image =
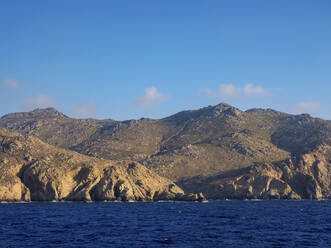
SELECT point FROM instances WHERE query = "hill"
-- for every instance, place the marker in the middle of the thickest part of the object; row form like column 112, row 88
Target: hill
column 33, row 170
column 210, row 141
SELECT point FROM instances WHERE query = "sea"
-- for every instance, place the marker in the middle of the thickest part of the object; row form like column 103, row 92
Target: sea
column 167, row 224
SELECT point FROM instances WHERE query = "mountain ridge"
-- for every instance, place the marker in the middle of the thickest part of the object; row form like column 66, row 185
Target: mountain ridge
column 203, row 142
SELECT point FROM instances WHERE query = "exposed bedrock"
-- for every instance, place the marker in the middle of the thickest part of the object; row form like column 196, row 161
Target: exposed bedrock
column 33, row 170
column 305, row 177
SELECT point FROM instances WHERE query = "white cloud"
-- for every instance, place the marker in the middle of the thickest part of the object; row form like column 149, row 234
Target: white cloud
column 151, row 97
column 305, row 107
column 39, row 101
column 224, row 90
column 11, row 84
column 231, row 91
column 251, row 90
column 85, row 109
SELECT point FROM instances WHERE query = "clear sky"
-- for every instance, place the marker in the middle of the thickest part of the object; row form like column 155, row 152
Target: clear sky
column 133, row 59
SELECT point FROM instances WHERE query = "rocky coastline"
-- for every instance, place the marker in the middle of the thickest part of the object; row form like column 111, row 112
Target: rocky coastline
column 216, row 152
column 34, row 171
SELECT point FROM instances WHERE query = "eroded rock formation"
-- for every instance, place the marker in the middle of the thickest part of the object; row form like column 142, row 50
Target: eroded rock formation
column 33, row 170
column 307, row 176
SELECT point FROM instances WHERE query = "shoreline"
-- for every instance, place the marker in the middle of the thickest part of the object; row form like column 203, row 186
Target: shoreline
column 164, row 201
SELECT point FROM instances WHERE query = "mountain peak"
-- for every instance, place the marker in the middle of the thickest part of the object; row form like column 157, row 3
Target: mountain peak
column 225, row 108
column 47, row 112
column 223, row 105
column 267, row 111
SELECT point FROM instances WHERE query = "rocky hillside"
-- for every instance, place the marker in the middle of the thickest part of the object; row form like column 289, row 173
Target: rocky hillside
column 305, row 177
column 33, row 170
column 52, row 126
column 196, row 143
column 295, row 133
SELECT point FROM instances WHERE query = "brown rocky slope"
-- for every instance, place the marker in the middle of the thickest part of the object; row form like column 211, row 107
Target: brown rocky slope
column 188, row 147
column 190, row 143
column 305, row 177
column 31, row 170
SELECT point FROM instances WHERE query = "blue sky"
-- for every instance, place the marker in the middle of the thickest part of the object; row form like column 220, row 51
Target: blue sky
column 133, row 59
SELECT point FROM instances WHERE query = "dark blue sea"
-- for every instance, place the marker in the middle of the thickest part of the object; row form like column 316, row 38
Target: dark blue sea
column 167, row 224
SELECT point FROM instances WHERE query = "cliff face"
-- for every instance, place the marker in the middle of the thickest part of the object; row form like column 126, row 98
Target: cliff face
column 33, row 170
column 305, row 177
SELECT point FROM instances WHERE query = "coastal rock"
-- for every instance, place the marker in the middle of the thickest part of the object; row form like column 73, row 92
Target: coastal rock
column 33, row 170
column 305, row 177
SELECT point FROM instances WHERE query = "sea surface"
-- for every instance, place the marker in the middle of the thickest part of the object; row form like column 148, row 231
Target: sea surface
column 167, row 224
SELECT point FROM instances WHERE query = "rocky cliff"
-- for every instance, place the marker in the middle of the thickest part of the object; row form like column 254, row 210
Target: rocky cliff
column 305, row 177
column 33, row 170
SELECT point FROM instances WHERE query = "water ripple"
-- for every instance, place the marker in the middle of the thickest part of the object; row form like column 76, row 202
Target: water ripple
column 167, row 224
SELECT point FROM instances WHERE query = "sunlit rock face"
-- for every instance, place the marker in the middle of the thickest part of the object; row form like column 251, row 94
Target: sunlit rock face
column 33, row 170
column 307, row 176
